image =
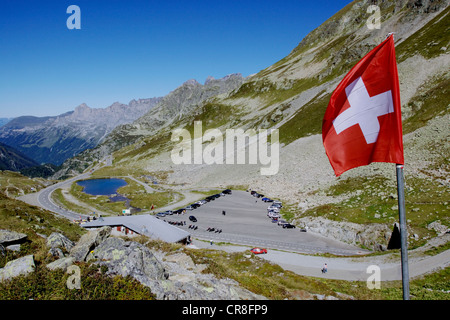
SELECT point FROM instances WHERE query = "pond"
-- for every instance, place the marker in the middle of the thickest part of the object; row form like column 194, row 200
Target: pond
column 102, row 187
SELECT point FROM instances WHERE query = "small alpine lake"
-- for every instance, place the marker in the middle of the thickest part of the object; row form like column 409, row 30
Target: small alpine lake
column 102, row 187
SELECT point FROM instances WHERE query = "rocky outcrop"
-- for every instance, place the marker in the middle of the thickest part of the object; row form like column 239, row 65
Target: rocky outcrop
column 438, row 227
column 375, row 235
column 128, row 258
column 201, row 287
column 170, row 277
column 88, row 242
column 175, row 277
column 187, row 282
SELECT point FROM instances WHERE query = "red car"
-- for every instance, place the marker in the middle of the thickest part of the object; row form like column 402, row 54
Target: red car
column 258, row 250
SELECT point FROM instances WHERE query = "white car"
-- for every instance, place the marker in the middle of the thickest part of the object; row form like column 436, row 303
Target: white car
column 273, row 208
column 281, row 222
column 273, row 214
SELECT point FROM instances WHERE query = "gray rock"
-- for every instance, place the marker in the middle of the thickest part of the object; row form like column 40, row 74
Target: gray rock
column 58, row 240
column 203, row 287
column 17, row 267
column 62, row 263
column 368, row 235
column 129, row 258
column 88, row 242
column 56, row 252
column 14, row 247
column 438, row 227
column 8, row 237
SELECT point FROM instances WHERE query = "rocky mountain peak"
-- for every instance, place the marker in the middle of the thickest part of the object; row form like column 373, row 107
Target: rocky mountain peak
column 82, row 111
column 209, row 79
column 191, row 82
column 83, row 106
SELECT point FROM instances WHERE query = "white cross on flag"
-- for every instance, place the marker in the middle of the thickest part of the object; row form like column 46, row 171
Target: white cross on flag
column 363, row 122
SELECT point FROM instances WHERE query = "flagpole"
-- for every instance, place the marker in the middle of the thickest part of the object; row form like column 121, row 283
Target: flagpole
column 403, row 231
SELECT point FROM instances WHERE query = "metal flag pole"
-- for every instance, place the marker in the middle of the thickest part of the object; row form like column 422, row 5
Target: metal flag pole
column 403, row 231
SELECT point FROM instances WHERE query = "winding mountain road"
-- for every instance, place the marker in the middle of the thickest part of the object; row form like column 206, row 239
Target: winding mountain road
column 43, row 199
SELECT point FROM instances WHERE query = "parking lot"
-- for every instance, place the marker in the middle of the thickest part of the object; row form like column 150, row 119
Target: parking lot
column 246, row 222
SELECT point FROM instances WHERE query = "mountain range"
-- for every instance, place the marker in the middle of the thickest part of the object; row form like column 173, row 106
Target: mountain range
column 171, row 109
column 55, row 139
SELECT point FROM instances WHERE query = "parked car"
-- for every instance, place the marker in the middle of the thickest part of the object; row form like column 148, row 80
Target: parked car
column 190, row 207
column 273, row 214
column 193, row 219
column 288, row 226
column 161, row 214
column 258, row 250
column 273, row 208
column 282, row 222
column 277, row 203
column 226, row 191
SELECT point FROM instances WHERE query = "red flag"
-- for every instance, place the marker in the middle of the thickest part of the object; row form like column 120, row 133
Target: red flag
column 363, row 122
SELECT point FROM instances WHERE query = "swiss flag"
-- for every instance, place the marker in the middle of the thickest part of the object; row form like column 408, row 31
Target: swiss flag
column 363, row 122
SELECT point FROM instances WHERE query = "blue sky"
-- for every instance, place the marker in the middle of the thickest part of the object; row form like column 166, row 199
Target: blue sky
column 139, row 49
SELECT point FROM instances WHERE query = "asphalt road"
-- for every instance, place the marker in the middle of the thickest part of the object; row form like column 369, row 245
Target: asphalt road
column 246, row 223
column 343, row 268
column 44, row 198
